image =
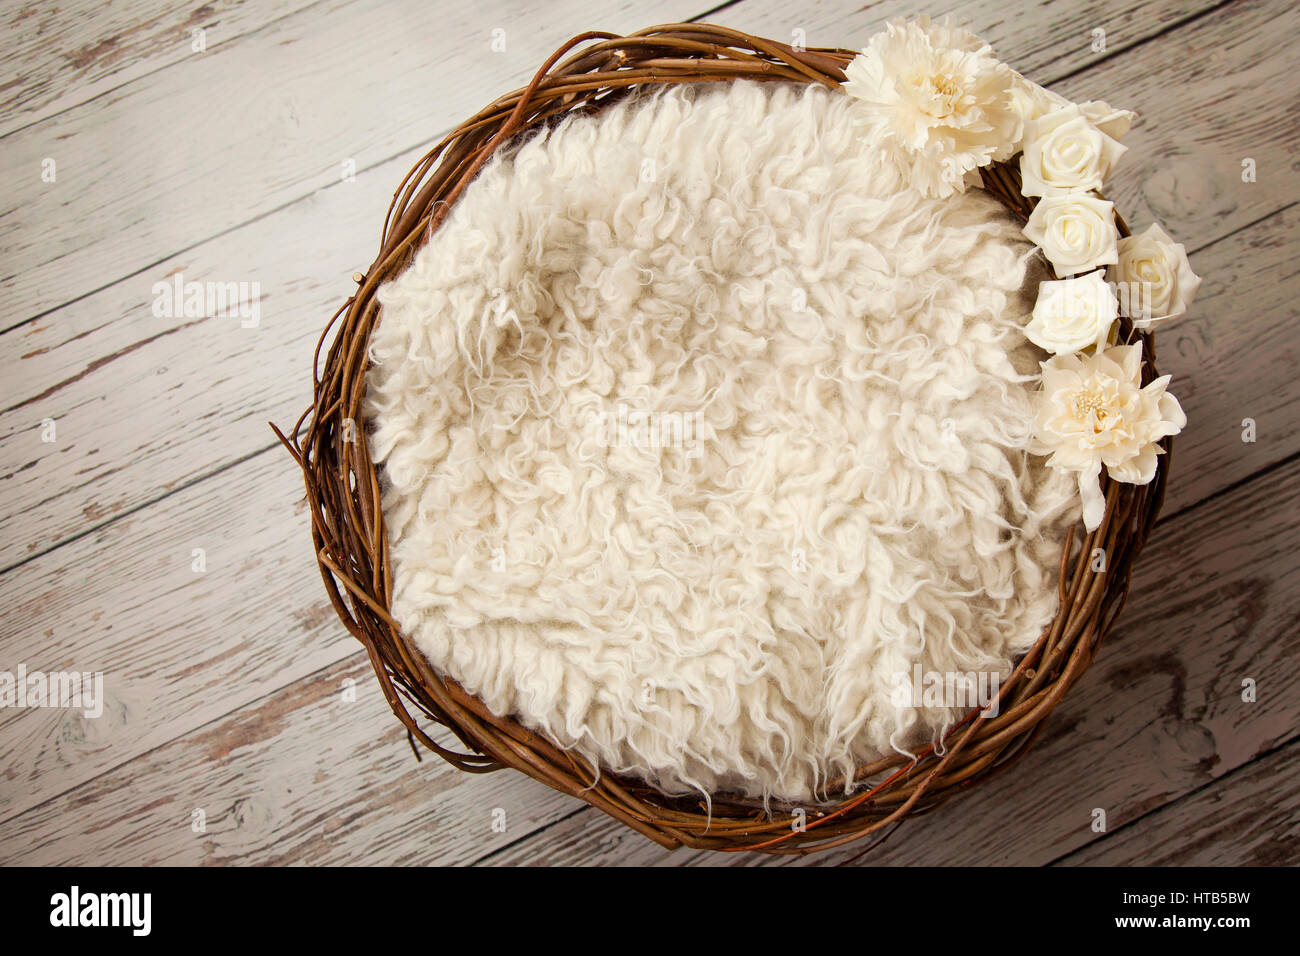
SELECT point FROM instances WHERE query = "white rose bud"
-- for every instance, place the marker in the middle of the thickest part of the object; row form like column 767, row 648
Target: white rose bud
column 1075, row 232
column 1156, row 275
column 1032, row 101
column 1066, row 153
column 1028, row 101
column 1114, row 123
column 1072, row 314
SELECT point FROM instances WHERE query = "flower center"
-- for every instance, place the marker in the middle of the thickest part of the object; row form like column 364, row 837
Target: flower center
column 943, row 85
column 943, row 94
column 1092, row 402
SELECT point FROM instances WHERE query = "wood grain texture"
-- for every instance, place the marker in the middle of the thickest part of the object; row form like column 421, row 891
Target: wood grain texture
column 177, row 648
column 197, row 393
column 304, row 777
column 161, row 164
column 71, row 360
column 1235, row 357
column 1250, row 818
column 1158, row 715
column 57, row 56
column 224, row 687
column 1047, row 41
column 1209, row 95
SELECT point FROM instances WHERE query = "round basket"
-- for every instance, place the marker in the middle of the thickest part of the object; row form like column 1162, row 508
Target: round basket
column 343, row 490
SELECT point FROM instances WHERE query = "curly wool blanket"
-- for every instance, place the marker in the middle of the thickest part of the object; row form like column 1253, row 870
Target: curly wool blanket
column 700, row 440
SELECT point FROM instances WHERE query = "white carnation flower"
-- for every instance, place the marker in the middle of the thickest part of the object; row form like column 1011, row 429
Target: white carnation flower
column 935, row 102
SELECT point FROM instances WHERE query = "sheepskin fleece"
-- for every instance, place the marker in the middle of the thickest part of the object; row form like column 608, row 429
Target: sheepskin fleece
column 728, row 614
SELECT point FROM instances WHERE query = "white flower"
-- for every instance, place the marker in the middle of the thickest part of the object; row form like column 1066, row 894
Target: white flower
column 1075, row 232
column 1029, row 102
column 934, row 100
column 1066, row 153
column 1093, row 411
column 1072, row 314
column 1114, row 123
column 1156, row 277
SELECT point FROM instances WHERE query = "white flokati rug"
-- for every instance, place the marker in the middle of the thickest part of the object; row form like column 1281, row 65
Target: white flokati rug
column 697, row 439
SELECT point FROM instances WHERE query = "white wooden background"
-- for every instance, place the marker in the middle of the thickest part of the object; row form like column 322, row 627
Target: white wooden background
column 224, row 687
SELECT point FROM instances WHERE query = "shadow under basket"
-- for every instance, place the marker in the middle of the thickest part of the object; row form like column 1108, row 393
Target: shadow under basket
column 342, row 486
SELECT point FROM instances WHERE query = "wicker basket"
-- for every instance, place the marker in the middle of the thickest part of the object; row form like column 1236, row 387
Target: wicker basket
column 351, row 544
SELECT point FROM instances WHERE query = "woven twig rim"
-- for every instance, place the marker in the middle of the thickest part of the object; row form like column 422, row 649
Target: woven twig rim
column 351, row 546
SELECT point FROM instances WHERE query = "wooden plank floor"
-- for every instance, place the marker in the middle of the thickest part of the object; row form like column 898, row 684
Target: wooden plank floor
column 241, row 724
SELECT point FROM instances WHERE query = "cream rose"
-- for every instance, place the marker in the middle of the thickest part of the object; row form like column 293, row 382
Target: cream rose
column 1065, row 153
column 1155, row 277
column 1029, row 101
column 1075, row 232
column 1114, row 123
column 1072, row 314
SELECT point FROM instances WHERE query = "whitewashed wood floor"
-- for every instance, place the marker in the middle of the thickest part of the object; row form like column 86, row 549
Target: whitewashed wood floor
column 224, row 688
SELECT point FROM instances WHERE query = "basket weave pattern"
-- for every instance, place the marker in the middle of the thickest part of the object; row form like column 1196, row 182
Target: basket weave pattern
column 343, row 492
